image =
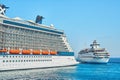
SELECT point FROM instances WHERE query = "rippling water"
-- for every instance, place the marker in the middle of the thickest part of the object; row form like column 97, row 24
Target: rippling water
column 108, row 71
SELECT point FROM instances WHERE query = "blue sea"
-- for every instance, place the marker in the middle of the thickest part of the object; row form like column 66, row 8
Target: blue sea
column 109, row 71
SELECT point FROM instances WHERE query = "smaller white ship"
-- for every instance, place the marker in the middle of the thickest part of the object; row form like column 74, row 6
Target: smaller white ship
column 95, row 54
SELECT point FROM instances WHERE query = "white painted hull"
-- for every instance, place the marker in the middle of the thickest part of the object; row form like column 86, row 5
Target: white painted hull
column 43, row 62
column 94, row 60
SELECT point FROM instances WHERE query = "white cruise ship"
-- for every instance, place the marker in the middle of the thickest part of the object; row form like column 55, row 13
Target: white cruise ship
column 25, row 44
column 95, row 54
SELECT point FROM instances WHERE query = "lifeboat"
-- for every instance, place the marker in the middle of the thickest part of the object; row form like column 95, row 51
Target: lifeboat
column 26, row 51
column 36, row 52
column 53, row 52
column 45, row 52
column 3, row 50
column 14, row 51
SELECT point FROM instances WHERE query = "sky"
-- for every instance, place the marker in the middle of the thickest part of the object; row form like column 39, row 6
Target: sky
column 82, row 20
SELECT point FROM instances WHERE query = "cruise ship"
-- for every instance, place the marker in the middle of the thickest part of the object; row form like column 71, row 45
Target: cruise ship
column 27, row 44
column 95, row 54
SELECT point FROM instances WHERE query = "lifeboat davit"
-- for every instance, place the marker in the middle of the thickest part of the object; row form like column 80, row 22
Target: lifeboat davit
column 3, row 50
column 26, row 51
column 14, row 51
column 45, row 52
column 53, row 52
column 36, row 52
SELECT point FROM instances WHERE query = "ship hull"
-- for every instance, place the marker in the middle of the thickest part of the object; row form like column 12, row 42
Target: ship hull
column 93, row 60
column 35, row 63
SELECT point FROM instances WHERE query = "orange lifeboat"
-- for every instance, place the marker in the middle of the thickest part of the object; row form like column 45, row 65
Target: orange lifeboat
column 14, row 51
column 26, row 51
column 3, row 50
column 53, row 52
column 45, row 52
column 36, row 52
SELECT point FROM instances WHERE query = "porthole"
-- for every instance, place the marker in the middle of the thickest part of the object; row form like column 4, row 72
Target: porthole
column 6, row 60
column 3, row 60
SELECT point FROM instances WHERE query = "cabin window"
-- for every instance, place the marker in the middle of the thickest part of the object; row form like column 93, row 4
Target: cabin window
column 3, row 60
column 6, row 60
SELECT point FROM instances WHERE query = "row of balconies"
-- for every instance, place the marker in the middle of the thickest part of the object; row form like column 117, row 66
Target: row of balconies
column 26, row 32
column 34, row 45
column 30, row 41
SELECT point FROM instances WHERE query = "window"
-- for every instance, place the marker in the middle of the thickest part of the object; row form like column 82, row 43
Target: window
column 21, row 60
column 3, row 60
column 6, row 60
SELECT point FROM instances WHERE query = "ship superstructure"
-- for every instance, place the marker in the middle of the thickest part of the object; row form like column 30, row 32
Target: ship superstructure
column 95, row 54
column 28, row 44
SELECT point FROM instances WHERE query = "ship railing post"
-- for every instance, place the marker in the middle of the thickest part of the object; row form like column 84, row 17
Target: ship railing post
column 20, row 50
column 31, row 50
column 8, row 50
column 40, row 51
column 49, row 51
